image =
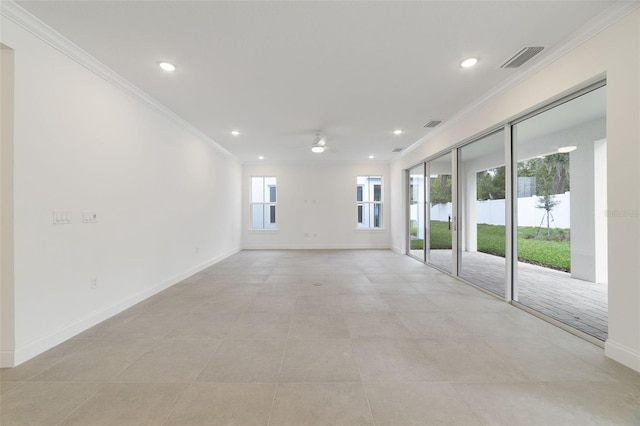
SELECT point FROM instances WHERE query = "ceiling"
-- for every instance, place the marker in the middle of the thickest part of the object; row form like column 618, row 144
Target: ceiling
column 280, row 71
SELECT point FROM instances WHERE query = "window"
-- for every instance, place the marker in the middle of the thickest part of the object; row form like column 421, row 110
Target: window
column 369, row 201
column 359, row 200
column 263, row 202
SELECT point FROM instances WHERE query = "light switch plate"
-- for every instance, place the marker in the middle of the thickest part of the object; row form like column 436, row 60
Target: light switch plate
column 89, row 216
column 62, row 217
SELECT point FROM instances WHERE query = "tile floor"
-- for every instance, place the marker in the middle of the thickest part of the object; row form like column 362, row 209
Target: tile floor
column 362, row 337
column 577, row 303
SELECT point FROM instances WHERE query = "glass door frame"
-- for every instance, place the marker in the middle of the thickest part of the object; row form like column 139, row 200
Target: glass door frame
column 513, row 240
column 427, row 210
column 509, row 208
column 511, row 203
column 425, row 213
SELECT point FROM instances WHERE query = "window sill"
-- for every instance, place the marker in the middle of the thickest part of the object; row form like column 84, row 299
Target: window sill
column 262, row 231
column 369, row 230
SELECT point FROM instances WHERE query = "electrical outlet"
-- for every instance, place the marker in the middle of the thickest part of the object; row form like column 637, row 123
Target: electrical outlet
column 94, row 283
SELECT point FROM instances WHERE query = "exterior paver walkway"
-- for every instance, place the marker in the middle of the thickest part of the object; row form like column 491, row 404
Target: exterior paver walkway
column 580, row 304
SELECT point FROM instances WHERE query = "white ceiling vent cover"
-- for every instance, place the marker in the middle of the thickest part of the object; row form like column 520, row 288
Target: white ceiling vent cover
column 523, row 56
column 433, row 123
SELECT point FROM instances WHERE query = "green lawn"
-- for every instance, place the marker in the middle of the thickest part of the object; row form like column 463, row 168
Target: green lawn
column 440, row 237
column 533, row 246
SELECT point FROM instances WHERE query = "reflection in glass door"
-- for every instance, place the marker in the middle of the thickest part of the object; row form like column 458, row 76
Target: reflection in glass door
column 482, row 210
column 561, row 213
column 440, row 213
column 416, row 199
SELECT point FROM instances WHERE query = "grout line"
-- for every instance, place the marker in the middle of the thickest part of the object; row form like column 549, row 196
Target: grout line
column 173, row 409
column 297, row 292
column 102, row 386
column 362, row 383
column 284, row 352
column 464, row 401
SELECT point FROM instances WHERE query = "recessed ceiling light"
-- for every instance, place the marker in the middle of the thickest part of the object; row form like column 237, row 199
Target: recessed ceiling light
column 468, row 63
column 397, row 132
column 261, row 158
column 371, row 156
column 567, row 149
column 317, row 149
column 235, row 132
column 167, row 66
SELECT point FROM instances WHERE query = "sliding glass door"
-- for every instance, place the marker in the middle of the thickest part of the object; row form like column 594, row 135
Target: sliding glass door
column 441, row 220
column 561, row 217
column 416, row 197
column 523, row 214
column 481, row 213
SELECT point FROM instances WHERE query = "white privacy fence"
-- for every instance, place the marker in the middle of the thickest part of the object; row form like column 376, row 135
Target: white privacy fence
column 492, row 212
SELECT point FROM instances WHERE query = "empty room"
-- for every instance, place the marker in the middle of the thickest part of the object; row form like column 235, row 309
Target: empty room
column 319, row 212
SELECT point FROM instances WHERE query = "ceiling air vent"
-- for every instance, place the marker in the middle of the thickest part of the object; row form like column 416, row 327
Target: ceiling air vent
column 433, row 123
column 523, row 56
column 397, row 149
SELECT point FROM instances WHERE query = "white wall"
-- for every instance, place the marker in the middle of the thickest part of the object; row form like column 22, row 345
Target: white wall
column 167, row 201
column 614, row 53
column 7, row 340
column 316, row 207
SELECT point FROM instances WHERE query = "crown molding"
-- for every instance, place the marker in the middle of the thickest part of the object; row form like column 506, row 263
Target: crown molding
column 612, row 14
column 12, row 11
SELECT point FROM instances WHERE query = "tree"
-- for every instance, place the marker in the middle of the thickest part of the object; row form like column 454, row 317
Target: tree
column 551, row 173
column 552, row 177
column 490, row 184
column 440, row 189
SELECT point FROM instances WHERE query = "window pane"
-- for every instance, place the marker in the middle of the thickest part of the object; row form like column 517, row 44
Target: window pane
column 377, row 215
column 257, row 216
column 272, row 193
column 360, row 213
column 359, row 193
column 257, row 193
column 373, row 217
column 270, row 181
column 269, row 216
column 377, row 192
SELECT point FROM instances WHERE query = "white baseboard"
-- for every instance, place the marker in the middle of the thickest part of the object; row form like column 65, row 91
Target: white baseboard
column 316, row 247
column 398, row 250
column 622, row 354
column 25, row 353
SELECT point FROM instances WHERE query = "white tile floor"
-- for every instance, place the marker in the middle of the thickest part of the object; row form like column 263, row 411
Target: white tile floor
column 321, row 338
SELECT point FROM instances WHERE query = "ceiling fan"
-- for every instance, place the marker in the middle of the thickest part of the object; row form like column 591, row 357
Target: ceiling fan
column 319, row 144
